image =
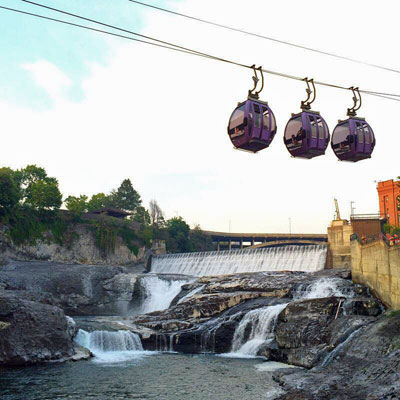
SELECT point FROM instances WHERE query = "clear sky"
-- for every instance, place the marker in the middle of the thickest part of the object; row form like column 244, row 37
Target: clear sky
column 94, row 110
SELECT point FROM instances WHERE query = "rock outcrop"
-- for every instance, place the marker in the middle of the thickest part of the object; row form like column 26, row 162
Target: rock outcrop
column 366, row 366
column 32, row 332
column 306, row 330
column 77, row 289
column 81, row 249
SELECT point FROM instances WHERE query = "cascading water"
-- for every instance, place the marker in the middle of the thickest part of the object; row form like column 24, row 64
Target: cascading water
column 157, row 293
column 262, row 323
column 111, row 346
column 191, row 293
column 329, row 358
column 288, row 258
column 323, row 287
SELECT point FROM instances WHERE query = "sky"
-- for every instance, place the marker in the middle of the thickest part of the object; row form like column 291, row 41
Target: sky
column 94, row 110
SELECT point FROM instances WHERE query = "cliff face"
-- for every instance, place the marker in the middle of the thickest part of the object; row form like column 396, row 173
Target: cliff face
column 82, row 249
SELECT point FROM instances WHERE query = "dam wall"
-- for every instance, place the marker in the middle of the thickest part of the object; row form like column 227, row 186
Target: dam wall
column 286, row 258
column 377, row 265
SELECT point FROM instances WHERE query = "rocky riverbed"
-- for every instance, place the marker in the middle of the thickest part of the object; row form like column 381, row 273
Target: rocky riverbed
column 347, row 346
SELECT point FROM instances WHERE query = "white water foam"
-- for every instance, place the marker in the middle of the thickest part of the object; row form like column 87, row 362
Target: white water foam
column 271, row 366
column 191, row 293
column 111, row 347
column 262, row 323
column 158, row 293
column 288, row 258
column 321, row 288
column 329, row 358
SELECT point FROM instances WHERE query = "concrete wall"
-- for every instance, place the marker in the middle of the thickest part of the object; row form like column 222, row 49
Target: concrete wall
column 339, row 244
column 377, row 265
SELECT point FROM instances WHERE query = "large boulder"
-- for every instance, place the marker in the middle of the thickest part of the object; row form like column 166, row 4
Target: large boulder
column 366, row 366
column 307, row 330
column 78, row 289
column 32, row 332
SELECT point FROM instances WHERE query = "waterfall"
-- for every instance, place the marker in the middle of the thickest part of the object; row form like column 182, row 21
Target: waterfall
column 334, row 352
column 191, row 293
column 287, row 258
column 111, row 346
column 323, row 287
column 157, row 294
column 261, row 323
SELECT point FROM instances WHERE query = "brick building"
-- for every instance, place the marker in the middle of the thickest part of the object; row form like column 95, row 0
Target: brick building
column 389, row 201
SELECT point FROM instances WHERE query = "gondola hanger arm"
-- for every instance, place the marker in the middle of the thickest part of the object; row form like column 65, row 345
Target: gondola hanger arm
column 252, row 92
column 306, row 104
column 352, row 112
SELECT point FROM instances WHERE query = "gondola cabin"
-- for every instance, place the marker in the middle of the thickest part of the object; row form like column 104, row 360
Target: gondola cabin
column 306, row 135
column 252, row 126
column 353, row 140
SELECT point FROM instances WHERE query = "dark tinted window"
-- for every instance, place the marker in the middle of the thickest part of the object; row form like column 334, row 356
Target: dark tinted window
column 236, row 126
column 294, row 134
column 367, row 133
column 341, row 138
column 266, row 117
column 359, row 132
column 322, row 128
column 257, row 116
column 314, row 131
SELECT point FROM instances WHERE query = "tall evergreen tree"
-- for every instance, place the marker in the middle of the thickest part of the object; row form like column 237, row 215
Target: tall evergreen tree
column 126, row 197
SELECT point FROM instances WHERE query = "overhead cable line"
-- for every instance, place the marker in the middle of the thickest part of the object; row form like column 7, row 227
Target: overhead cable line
column 265, row 37
column 181, row 49
column 97, row 30
column 198, row 52
column 114, row 27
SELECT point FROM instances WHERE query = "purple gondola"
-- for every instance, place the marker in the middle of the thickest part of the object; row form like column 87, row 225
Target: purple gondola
column 307, row 133
column 353, row 139
column 252, row 125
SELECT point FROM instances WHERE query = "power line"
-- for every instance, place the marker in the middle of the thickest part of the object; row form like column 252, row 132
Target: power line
column 169, row 45
column 113, row 27
column 265, row 37
column 94, row 29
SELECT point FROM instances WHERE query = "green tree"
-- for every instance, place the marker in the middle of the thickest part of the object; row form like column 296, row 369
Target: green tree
column 31, row 178
column 10, row 193
column 125, row 197
column 44, row 195
column 178, row 232
column 142, row 216
column 199, row 241
column 78, row 205
column 97, row 201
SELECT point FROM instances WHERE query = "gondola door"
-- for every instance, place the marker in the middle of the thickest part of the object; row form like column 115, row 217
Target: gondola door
column 257, row 122
column 311, row 122
column 359, row 136
column 323, row 133
column 369, row 139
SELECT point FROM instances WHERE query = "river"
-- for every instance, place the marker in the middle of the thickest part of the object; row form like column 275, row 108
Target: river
column 161, row 376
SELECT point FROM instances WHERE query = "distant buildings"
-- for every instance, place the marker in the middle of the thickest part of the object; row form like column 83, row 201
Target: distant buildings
column 389, row 201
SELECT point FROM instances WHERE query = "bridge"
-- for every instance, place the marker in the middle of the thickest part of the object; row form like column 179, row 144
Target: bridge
column 225, row 240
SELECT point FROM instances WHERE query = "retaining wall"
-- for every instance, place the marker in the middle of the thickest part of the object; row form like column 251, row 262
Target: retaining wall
column 377, row 265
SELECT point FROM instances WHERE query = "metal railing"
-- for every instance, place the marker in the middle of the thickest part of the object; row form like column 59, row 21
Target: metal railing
column 366, row 216
column 375, row 238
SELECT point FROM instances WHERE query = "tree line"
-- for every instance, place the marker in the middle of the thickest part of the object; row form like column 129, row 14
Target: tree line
column 30, row 199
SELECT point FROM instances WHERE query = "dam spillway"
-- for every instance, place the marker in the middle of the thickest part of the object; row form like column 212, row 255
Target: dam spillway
column 286, row 258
